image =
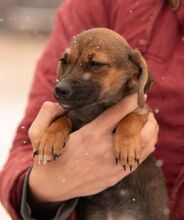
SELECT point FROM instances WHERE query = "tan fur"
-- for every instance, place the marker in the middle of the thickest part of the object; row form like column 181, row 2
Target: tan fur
column 50, row 144
column 127, row 139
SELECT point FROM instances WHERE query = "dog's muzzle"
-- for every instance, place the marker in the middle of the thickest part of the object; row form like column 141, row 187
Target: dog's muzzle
column 63, row 90
column 73, row 94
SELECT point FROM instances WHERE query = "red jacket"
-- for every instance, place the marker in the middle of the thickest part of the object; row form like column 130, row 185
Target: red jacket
column 158, row 32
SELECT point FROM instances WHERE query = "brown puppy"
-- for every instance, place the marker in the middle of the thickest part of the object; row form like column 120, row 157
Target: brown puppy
column 97, row 70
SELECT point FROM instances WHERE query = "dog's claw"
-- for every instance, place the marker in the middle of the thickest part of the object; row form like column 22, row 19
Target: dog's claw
column 56, row 155
column 116, row 159
column 40, row 159
column 138, row 162
column 35, row 152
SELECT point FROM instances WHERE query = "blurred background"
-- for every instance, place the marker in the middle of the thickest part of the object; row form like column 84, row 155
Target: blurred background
column 24, row 29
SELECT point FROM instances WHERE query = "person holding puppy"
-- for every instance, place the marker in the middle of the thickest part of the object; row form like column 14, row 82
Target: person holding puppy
column 33, row 191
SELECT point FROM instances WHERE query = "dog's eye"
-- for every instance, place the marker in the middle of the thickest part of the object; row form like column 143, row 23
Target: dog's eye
column 63, row 60
column 94, row 64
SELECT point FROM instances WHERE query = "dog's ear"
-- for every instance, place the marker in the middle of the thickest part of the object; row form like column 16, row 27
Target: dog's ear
column 143, row 81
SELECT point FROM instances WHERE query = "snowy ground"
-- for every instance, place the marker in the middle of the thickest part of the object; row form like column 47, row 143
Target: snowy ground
column 18, row 56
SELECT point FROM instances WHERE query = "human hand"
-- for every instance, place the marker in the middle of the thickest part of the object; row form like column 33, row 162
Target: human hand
column 87, row 165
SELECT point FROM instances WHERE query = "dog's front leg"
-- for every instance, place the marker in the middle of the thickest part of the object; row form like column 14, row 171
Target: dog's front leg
column 49, row 145
column 127, row 138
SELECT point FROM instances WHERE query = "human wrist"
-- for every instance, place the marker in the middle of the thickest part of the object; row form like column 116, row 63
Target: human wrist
column 38, row 187
column 44, row 185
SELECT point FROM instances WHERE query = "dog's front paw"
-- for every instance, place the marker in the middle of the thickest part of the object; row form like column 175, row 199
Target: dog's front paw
column 49, row 146
column 127, row 151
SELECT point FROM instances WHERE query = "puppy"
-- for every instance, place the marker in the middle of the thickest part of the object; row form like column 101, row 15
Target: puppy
column 97, row 70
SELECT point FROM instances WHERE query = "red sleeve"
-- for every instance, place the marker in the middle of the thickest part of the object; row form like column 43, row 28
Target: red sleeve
column 177, row 195
column 73, row 17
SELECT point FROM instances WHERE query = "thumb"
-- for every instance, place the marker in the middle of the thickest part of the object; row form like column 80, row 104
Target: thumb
column 108, row 120
column 48, row 112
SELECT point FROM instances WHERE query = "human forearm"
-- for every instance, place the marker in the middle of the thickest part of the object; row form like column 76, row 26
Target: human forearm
column 47, row 183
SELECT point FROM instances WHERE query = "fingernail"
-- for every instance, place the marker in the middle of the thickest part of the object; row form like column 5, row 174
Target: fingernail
column 35, row 153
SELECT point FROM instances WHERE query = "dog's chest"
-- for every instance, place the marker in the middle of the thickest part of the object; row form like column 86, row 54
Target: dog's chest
column 82, row 116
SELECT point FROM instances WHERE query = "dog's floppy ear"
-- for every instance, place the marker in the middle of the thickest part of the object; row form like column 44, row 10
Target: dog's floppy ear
column 144, row 80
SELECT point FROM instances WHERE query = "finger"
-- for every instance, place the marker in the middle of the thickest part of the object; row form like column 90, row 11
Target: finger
column 150, row 148
column 46, row 115
column 149, row 130
column 110, row 117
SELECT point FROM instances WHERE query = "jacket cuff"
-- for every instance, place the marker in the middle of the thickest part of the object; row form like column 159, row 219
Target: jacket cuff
column 34, row 211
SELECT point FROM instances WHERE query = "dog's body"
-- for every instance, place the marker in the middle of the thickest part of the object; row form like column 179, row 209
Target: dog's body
column 97, row 71
column 139, row 196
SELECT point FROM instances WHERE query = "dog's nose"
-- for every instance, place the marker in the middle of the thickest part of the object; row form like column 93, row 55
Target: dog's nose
column 63, row 89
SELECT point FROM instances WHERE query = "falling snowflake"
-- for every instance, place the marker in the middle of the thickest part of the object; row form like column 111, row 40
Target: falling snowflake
column 123, row 192
column 63, row 180
column 143, row 42
column 179, row 162
column 159, row 163
column 68, row 50
column 157, row 110
column 166, row 211
column 87, row 76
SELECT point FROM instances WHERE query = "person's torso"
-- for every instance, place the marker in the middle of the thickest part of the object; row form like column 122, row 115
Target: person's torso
column 153, row 28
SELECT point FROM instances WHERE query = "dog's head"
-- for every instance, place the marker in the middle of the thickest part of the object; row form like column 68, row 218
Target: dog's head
column 100, row 67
